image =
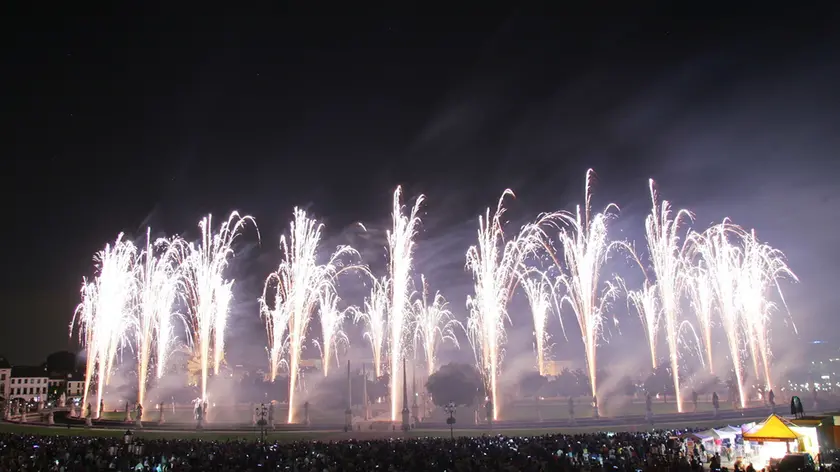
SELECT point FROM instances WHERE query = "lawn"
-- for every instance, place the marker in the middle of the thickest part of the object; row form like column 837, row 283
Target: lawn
column 287, row 436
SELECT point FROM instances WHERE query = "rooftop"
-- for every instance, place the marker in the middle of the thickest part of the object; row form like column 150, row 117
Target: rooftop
column 4, row 364
column 20, row 371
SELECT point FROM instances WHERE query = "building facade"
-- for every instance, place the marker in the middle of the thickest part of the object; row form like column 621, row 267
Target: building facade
column 5, row 378
column 29, row 383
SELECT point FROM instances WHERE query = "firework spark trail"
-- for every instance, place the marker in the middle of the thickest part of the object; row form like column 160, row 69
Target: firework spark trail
column 400, row 253
column 374, row 317
column 276, row 317
column 495, row 266
column 208, row 294
column 646, row 304
column 586, row 247
column 763, row 266
column 224, row 296
column 433, row 324
column 84, row 319
column 104, row 316
column 703, row 302
column 301, row 282
column 667, row 256
column 332, row 332
column 721, row 261
column 538, row 289
column 158, row 280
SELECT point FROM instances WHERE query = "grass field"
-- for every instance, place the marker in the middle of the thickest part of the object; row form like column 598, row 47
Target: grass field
column 287, row 436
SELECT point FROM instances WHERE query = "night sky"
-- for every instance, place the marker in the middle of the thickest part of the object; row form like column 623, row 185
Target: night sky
column 120, row 121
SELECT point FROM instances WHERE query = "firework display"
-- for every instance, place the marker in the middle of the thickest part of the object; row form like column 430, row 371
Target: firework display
column 496, row 266
column 300, row 283
column 373, row 315
column 667, row 258
column 207, row 292
column 105, row 315
column 433, row 324
column 158, row 278
column 721, row 278
column 538, row 289
column 585, row 246
column 400, row 254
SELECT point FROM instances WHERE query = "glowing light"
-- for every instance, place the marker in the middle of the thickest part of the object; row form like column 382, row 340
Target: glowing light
column 299, row 283
column 646, row 303
column 495, row 266
column 720, row 261
column 538, row 289
column 373, row 316
column 763, row 267
column 105, row 314
column 667, row 257
column 586, row 247
column 332, row 332
column 158, row 278
column 702, row 295
column 400, row 253
column 208, row 293
column 433, row 324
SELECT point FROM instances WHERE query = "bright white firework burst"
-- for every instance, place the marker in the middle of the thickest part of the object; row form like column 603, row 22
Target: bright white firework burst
column 701, row 292
column 400, row 253
column 208, row 293
column 374, row 317
column 495, row 266
column 332, row 329
column 433, row 324
column 105, row 315
column 763, row 266
column 539, row 291
column 720, row 260
column 158, row 279
column 585, row 245
column 299, row 282
column 646, row 304
column 667, row 256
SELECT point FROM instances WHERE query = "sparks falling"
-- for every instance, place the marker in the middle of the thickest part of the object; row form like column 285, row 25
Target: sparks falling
column 667, row 256
column 276, row 316
column 763, row 267
column 539, row 291
column 646, row 304
column 332, row 329
column 586, row 247
column 373, row 317
column 158, row 278
column 495, row 266
column 208, row 293
column 720, row 260
column 702, row 295
column 400, row 254
column 299, row 283
column 433, row 324
column 105, row 314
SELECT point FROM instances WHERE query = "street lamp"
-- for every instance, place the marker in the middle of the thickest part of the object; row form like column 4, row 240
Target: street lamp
column 128, row 437
column 262, row 414
column 450, row 410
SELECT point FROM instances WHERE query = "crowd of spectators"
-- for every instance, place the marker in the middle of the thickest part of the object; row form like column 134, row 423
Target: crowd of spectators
column 657, row 451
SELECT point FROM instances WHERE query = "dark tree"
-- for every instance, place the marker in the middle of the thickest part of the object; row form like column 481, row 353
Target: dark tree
column 379, row 387
column 628, row 387
column 531, row 384
column 660, row 381
column 61, row 362
column 457, row 383
column 581, row 384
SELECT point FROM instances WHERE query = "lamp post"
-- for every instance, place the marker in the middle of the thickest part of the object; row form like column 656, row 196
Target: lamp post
column 262, row 413
column 450, row 410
